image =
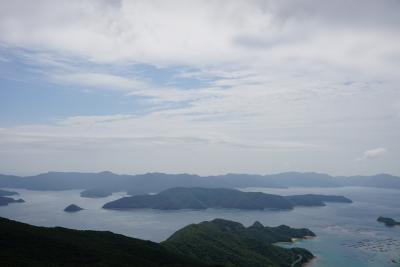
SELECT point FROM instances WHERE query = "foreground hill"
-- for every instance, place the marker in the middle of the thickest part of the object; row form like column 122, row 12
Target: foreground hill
column 203, row 198
column 216, row 243
column 25, row 245
column 231, row 244
column 104, row 183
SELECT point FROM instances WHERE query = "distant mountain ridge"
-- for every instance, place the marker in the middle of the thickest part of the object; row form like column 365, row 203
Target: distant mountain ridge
column 108, row 182
column 203, row 198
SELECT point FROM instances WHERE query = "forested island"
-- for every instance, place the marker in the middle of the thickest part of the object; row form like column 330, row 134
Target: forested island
column 203, row 198
column 225, row 243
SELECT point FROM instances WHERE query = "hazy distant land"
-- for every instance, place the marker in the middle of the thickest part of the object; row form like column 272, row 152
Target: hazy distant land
column 105, row 183
column 7, row 200
column 5, row 193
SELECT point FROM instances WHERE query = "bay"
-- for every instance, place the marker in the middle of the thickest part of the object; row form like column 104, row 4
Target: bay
column 347, row 234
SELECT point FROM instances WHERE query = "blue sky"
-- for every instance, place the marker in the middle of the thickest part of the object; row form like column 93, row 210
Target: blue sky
column 206, row 87
column 28, row 96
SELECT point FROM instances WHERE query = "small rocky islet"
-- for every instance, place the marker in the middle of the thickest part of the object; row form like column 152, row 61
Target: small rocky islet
column 72, row 208
column 388, row 221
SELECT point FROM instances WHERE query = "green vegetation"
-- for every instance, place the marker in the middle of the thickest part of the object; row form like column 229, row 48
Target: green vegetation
column 215, row 243
column 388, row 221
column 25, row 245
column 203, row 198
column 231, row 244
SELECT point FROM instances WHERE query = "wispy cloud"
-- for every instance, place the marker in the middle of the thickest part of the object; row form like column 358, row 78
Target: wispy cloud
column 99, row 80
column 373, row 153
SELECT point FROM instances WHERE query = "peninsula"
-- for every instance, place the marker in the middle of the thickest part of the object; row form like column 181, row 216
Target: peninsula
column 4, row 201
column 230, row 244
column 5, row 193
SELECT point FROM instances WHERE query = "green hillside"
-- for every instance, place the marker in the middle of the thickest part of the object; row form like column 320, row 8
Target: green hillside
column 231, row 244
column 25, row 245
column 215, row 243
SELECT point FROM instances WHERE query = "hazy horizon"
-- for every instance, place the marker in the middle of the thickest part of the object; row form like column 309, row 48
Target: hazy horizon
column 206, row 87
column 195, row 174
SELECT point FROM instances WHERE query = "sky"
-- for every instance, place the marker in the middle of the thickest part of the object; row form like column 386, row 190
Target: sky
column 202, row 87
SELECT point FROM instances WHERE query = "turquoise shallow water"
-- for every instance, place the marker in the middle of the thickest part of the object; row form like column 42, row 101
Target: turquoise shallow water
column 348, row 235
column 339, row 227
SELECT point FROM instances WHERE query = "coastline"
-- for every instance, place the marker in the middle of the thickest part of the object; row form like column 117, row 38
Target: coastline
column 295, row 239
column 310, row 262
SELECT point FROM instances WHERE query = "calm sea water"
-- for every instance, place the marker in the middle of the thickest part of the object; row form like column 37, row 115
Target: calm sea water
column 347, row 234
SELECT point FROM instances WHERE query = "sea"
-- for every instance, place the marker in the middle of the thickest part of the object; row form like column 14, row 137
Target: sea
column 348, row 235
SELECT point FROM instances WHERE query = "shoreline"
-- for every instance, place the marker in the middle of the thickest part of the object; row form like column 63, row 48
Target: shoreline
column 308, row 263
column 295, row 239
